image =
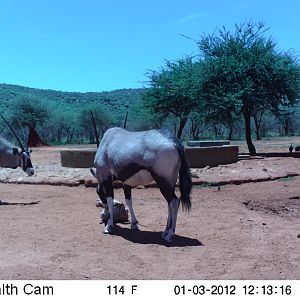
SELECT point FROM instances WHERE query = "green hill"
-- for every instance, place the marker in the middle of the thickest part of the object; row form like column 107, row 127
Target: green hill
column 118, row 100
column 68, row 119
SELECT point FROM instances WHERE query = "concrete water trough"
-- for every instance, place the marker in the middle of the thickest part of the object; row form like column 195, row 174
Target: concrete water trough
column 198, row 157
column 210, row 153
column 208, row 143
column 77, row 158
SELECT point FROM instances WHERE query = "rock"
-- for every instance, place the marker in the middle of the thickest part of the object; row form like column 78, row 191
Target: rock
column 98, row 203
column 120, row 213
column 90, row 183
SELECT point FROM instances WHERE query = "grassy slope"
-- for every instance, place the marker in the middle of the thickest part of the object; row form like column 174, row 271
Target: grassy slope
column 118, row 100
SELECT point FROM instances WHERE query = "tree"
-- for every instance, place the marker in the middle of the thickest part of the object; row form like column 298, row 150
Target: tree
column 102, row 119
column 247, row 74
column 196, row 124
column 31, row 113
column 140, row 118
column 61, row 128
column 258, row 117
column 287, row 119
column 172, row 91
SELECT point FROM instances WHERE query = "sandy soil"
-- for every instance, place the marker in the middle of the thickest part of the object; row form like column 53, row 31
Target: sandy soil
column 244, row 231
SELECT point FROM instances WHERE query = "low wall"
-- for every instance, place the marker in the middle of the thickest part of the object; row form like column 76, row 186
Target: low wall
column 212, row 143
column 198, row 157
column 77, row 158
column 279, row 154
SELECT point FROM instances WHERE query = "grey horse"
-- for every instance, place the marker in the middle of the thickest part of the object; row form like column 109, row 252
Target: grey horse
column 142, row 158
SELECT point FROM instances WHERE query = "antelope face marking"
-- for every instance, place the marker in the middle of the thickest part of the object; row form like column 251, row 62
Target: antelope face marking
column 26, row 163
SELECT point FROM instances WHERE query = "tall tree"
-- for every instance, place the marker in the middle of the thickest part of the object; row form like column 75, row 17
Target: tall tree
column 172, row 91
column 31, row 113
column 247, row 73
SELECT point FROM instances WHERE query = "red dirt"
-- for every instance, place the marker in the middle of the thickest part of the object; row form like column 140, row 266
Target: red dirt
column 246, row 231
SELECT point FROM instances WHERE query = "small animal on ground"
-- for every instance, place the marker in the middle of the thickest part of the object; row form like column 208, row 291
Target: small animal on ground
column 297, row 149
column 142, row 158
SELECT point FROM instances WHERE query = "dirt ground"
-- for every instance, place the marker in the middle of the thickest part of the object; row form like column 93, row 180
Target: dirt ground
column 244, row 224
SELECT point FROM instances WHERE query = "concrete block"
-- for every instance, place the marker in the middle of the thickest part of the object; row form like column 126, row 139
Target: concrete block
column 212, row 143
column 199, row 157
column 77, row 158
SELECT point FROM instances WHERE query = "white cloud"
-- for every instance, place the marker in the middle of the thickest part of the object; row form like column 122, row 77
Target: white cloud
column 192, row 17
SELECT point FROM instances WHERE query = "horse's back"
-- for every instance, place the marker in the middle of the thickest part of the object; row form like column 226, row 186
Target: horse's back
column 151, row 150
column 118, row 142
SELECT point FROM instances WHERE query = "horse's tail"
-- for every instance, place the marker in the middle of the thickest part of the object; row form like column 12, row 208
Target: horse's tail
column 185, row 179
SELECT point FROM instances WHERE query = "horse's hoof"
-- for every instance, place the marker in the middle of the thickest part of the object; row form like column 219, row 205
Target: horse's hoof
column 164, row 234
column 134, row 226
column 168, row 236
column 108, row 229
column 168, row 239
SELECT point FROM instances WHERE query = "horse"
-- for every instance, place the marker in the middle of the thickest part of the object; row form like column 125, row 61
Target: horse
column 142, row 158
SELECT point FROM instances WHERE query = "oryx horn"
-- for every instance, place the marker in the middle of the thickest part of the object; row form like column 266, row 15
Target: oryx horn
column 95, row 129
column 24, row 136
column 19, row 141
column 125, row 122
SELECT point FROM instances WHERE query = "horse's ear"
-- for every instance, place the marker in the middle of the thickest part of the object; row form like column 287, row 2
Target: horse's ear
column 15, row 151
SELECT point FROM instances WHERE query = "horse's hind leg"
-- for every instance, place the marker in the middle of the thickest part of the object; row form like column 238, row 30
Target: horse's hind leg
column 168, row 191
column 128, row 199
column 172, row 219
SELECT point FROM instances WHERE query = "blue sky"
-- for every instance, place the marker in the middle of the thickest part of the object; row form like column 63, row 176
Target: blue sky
column 96, row 45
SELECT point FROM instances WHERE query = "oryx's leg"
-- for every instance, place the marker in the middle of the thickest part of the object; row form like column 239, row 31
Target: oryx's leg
column 168, row 191
column 109, row 192
column 173, row 211
column 168, row 226
column 102, row 198
column 128, row 199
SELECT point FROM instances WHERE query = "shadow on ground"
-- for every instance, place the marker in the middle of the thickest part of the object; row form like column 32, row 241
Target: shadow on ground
column 19, row 203
column 150, row 237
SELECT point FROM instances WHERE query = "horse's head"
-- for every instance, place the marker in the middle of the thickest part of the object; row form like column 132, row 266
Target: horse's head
column 100, row 191
column 26, row 164
column 23, row 160
column 102, row 202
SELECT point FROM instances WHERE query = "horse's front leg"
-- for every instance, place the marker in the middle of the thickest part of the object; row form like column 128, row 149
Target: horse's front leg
column 110, row 223
column 109, row 191
column 128, row 199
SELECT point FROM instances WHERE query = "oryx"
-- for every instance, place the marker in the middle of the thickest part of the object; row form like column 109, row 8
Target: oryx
column 141, row 158
column 12, row 157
